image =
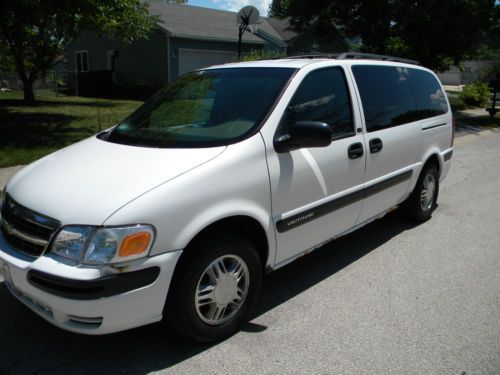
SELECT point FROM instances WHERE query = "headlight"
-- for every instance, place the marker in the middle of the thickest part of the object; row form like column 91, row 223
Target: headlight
column 103, row 245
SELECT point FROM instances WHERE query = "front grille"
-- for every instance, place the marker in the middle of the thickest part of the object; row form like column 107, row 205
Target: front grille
column 26, row 230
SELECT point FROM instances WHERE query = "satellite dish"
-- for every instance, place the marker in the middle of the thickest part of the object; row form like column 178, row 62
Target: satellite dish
column 248, row 15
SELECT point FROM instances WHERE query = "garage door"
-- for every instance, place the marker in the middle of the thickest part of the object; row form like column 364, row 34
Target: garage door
column 190, row 59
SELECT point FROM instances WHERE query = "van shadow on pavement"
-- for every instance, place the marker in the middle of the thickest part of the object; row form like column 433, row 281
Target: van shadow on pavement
column 29, row 345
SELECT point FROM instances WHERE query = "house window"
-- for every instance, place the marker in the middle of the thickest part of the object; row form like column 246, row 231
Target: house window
column 82, row 61
column 111, row 57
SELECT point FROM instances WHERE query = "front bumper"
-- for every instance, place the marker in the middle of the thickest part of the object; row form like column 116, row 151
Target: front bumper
column 108, row 301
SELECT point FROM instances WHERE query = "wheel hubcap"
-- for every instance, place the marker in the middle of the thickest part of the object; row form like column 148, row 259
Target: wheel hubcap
column 222, row 289
column 428, row 192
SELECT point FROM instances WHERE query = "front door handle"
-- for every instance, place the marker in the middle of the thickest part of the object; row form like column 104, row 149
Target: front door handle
column 355, row 150
column 375, row 145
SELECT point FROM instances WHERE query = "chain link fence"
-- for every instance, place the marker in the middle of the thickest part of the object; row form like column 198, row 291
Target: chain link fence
column 54, row 84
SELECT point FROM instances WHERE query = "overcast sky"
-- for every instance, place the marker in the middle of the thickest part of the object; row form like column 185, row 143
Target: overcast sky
column 233, row 5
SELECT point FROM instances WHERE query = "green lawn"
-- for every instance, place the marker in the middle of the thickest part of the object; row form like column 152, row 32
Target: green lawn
column 29, row 132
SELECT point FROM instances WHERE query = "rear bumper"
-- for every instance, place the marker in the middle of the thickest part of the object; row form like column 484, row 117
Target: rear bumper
column 90, row 300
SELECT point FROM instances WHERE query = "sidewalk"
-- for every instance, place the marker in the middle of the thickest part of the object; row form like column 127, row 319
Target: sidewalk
column 7, row 173
column 465, row 131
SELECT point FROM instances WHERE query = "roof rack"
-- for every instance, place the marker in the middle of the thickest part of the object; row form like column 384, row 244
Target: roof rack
column 371, row 56
column 352, row 55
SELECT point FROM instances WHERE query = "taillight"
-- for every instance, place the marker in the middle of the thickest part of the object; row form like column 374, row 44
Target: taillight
column 453, row 130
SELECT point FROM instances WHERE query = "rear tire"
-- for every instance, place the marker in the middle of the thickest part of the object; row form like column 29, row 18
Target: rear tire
column 421, row 203
column 215, row 286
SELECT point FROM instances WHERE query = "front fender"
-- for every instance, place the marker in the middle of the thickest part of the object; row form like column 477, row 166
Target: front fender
column 234, row 184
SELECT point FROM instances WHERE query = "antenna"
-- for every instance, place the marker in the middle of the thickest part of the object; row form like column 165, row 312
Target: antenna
column 248, row 15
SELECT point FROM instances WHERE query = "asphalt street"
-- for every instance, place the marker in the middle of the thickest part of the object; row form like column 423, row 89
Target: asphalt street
column 390, row 298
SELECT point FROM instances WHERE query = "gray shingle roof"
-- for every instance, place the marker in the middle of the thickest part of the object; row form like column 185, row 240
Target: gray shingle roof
column 204, row 23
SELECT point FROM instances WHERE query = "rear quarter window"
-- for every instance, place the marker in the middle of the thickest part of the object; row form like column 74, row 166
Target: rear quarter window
column 393, row 96
column 429, row 95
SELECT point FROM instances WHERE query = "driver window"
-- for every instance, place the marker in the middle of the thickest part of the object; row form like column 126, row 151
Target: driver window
column 322, row 96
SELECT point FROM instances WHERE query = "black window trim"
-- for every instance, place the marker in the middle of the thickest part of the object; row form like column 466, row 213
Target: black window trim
column 278, row 134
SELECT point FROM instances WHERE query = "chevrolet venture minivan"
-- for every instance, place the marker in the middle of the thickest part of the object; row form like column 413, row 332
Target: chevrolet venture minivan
column 228, row 173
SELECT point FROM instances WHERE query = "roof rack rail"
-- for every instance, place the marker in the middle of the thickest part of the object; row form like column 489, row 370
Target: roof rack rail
column 351, row 55
column 371, row 56
column 309, row 56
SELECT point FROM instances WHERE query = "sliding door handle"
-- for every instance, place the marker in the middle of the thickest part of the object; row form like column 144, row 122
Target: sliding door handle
column 375, row 145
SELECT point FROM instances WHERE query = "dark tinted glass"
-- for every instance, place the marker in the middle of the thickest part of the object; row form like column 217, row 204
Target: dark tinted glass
column 429, row 96
column 205, row 108
column 322, row 96
column 386, row 96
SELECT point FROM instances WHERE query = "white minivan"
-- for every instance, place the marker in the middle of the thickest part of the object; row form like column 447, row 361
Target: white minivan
column 226, row 174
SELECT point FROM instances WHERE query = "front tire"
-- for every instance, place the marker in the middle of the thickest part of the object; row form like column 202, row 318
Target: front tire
column 214, row 288
column 423, row 201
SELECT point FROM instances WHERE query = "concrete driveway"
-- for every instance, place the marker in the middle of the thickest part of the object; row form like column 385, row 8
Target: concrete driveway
column 391, row 298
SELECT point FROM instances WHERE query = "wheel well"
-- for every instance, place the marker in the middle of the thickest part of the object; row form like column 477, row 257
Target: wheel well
column 242, row 225
column 433, row 159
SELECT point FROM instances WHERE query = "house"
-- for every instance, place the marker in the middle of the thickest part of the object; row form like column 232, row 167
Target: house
column 186, row 38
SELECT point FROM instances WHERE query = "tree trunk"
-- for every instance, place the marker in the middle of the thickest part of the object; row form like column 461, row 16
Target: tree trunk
column 29, row 95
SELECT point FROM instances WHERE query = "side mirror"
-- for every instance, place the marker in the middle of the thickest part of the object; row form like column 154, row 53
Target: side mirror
column 305, row 134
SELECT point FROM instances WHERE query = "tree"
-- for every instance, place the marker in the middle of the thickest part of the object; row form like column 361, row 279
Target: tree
column 34, row 32
column 489, row 50
column 437, row 33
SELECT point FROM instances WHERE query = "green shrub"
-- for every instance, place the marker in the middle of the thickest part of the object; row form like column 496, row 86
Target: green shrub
column 456, row 103
column 477, row 94
column 261, row 54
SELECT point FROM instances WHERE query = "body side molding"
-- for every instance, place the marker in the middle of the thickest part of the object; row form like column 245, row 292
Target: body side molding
column 310, row 214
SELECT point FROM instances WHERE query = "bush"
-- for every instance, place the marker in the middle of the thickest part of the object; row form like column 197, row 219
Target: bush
column 456, row 103
column 261, row 54
column 477, row 94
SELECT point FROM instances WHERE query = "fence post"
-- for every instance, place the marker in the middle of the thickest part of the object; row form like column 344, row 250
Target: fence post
column 55, row 82
column 493, row 110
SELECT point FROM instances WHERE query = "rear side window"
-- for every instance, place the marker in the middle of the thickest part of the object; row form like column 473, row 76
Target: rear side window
column 322, row 96
column 394, row 96
column 386, row 96
column 429, row 96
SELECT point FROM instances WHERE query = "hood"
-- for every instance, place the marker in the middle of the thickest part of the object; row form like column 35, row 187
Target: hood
column 88, row 181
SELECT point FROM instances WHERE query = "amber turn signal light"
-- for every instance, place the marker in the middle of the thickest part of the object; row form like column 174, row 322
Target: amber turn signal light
column 134, row 244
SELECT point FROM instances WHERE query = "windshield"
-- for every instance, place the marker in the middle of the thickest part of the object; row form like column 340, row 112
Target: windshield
column 204, row 108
